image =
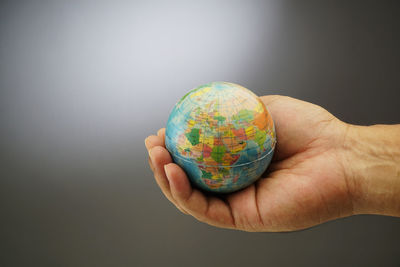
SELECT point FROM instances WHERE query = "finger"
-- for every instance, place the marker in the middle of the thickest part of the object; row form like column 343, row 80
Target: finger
column 159, row 157
column 152, row 141
column 211, row 210
column 245, row 208
column 161, row 132
column 151, row 165
column 268, row 99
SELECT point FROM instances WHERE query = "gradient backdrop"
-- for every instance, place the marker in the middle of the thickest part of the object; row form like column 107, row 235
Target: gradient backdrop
column 83, row 83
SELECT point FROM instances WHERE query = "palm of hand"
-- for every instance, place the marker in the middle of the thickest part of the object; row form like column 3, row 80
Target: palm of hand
column 304, row 186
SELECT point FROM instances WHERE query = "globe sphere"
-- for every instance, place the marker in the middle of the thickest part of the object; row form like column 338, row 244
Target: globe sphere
column 222, row 135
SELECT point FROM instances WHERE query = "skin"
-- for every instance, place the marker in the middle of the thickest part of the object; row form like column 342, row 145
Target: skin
column 323, row 169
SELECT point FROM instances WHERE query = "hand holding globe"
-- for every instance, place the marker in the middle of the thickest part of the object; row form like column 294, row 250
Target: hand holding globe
column 317, row 174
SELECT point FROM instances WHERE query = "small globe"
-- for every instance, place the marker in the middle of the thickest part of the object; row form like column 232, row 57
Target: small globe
column 222, row 135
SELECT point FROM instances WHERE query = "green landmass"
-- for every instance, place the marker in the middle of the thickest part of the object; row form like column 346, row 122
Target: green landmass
column 217, row 153
column 224, row 171
column 206, row 174
column 260, row 137
column 193, row 136
column 244, row 115
column 220, row 118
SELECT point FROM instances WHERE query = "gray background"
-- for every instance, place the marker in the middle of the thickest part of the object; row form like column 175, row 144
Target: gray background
column 83, row 83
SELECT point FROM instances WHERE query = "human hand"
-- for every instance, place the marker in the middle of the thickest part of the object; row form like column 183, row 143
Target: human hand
column 308, row 182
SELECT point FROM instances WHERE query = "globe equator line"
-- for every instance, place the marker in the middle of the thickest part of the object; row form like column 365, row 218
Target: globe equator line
column 243, row 164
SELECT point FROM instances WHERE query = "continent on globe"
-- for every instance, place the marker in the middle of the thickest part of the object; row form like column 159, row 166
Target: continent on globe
column 222, row 135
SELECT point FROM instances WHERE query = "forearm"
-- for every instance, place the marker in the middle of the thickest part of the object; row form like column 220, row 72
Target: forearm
column 373, row 168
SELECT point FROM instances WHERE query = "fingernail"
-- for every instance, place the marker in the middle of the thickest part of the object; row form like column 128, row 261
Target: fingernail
column 166, row 169
column 145, row 142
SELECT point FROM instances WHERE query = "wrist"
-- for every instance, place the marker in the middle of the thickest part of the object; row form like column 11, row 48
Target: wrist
column 372, row 168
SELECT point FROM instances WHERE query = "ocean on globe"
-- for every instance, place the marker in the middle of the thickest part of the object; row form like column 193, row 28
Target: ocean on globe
column 222, row 135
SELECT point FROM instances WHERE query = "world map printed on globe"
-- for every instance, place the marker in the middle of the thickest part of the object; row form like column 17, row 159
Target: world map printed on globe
column 222, row 135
